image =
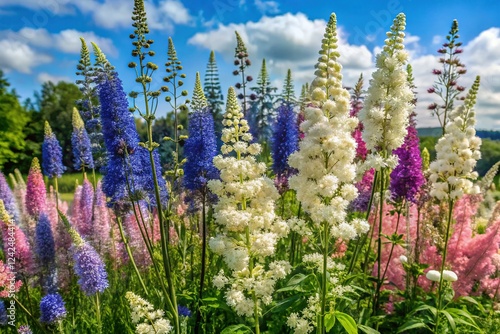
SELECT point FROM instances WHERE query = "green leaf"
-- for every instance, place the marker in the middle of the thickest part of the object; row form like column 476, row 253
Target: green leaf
column 236, row 329
column 412, row 324
column 347, row 322
column 285, row 304
column 368, row 330
column 451, row 321
column 329, row 321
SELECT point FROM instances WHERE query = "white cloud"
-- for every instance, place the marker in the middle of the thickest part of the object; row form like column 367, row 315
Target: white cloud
column 45, row 77
column 286, row 41
column 481, row 56
column 437, row 39
column 109, row 14
column 69, row 41
column 18, row 56
column 267, row 7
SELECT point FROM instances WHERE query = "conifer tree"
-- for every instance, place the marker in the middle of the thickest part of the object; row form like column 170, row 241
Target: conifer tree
column 213, row 93
column 262, row 99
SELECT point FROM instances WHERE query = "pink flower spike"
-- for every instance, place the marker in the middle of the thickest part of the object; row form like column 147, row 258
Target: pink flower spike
column 36, row 193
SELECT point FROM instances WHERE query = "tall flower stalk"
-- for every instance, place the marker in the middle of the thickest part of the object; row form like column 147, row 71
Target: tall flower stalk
column 200, row 148
column 446, row 85
column 248, row 228
column 52, row 165
column 144, row 72
column 385, row 117
column 326, row 172
column 82, row 149
column 453, row 171
column 242, row 62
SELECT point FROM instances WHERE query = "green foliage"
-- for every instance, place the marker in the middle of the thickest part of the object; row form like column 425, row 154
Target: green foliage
column 13, row 121
column 55, row 104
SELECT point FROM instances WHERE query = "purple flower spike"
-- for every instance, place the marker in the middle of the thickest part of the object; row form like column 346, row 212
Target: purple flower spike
column 51, row 154
column 90, row 269
column 52, row 308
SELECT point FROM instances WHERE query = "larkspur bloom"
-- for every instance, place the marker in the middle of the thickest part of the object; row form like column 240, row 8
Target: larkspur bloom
column 8, row 198
column 52, row 165
column 245, row 207
column 125, row 171
column 285, row 141
column 82, row 149
column 100, row 232
column 388, row 103
column 3, row 313
column 23, row 254
column 201, row 146
column 44, row 240
column 36, row 193
column 45, row 252
column 407, row 177
column 145, row 317
column 52, row 308
column 457, row 153
column 89, row 267
column 183, row 311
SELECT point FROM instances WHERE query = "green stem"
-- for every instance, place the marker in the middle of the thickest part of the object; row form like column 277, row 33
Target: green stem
column 203, row 262
column 443, row 262
column 29, row 314
column 98, row 313
column 379, row 242
column 324, row 277
column 360, row 243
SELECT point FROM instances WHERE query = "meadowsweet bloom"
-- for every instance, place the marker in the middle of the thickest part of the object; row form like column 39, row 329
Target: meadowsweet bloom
column 36, row 193
column 433, row 275
column 388, row 103
column 7, row 196
column 82, row 149
column 145, row 317
column 52, row 308
column 245, row 207
column 407, row 177
column 285, row 141
column 201, row 146
column 126, row 173
column 89, row 267
column 457, row 153
column 326, row 172
column 51, row 154
column 24, row 329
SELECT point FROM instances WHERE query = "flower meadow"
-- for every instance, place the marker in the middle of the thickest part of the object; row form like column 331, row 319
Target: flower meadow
column 275, row 214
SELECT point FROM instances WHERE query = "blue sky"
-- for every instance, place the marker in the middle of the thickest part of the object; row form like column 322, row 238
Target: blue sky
column 39, row 39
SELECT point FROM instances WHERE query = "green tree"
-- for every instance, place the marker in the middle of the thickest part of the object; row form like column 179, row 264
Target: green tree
column 213, row 92
column 13, row 120
column 55, row 104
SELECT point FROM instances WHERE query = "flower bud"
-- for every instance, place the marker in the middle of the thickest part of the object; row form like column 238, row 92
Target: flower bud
column 449, row 276
column 433, row 275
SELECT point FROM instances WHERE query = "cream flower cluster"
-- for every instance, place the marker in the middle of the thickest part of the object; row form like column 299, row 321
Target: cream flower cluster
column 248, row 228
column 147, row 319
column 388, row 104
column 457, row 153
column 324, row 183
